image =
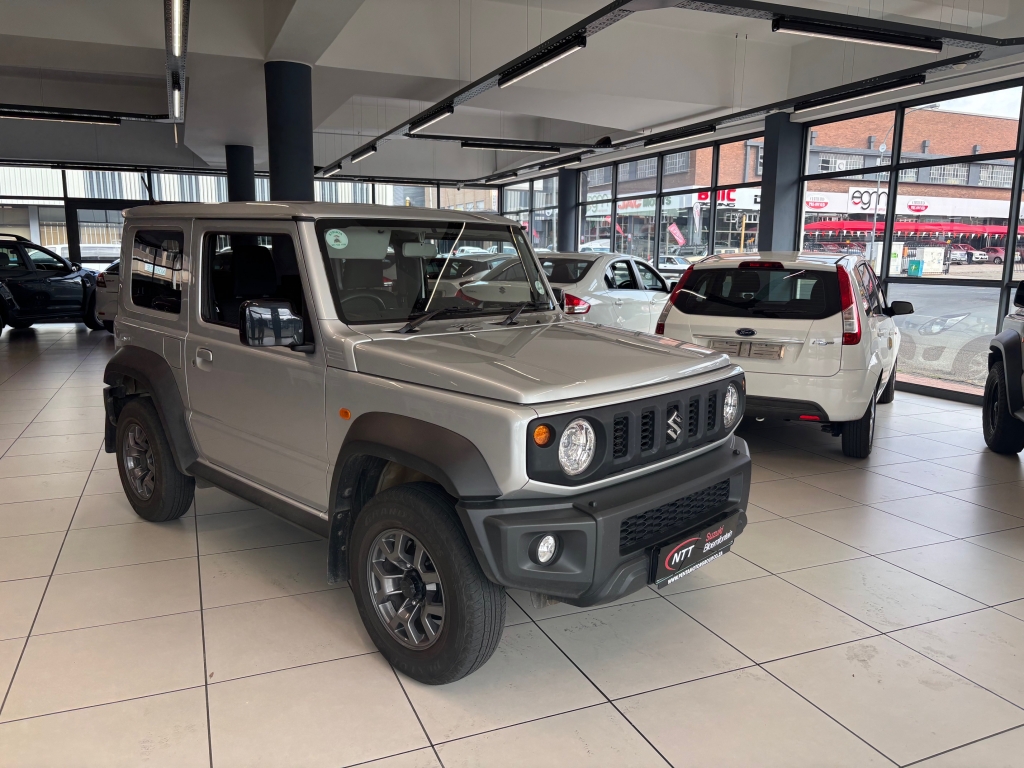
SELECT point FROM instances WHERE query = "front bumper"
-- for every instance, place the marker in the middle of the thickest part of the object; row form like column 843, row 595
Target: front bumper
column 593, row 566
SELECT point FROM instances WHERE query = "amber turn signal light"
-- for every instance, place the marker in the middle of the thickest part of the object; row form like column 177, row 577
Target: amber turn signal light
column 542, row 435
column 345, row 413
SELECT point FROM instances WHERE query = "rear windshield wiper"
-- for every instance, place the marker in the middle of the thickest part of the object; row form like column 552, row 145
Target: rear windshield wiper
column 510, row 319
column 412, row 325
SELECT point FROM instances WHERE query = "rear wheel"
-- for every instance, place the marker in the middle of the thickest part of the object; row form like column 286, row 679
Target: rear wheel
column 420, row 591
column 997, row 260
column 1003, row 432
column 155, row 488
column 859, row 435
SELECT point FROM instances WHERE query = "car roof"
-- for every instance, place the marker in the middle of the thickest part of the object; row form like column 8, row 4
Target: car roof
column 789, row 259
column 577, row 256
column 291, row 210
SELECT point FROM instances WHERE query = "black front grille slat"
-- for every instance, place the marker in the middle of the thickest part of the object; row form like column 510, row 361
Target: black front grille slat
column 712, row 411
column 693, row 418
column 658, row 524
column 647, row 430
column 620, row 437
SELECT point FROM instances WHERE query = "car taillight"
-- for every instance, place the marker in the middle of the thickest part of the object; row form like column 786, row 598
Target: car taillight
column 101, row 281
column 660, row 327
column 761, row 265
column 851, row 319
column 469, row 299
column 575, row 305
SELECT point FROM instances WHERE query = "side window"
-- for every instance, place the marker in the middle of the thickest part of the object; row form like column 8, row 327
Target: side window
column 45, row 262
column 238, row 267
column 10, row 261
column 156, row 272
column 619, row 277
column 869, row 289
column 651, row 280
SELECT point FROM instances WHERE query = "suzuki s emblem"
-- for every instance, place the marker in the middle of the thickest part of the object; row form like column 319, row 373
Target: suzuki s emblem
column 746, row 332
column 674, row 426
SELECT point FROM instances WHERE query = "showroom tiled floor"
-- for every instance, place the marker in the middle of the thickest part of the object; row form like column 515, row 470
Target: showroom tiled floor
column 872, row 614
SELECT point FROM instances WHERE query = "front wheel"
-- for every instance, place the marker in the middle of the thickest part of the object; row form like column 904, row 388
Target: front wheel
column 418, row 587
column 155, row 488
column 997, row 260
column 859, row 435
column 1003, row 432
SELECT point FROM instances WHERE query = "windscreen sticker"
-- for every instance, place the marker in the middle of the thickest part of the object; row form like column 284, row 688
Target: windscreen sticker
column 336, row 239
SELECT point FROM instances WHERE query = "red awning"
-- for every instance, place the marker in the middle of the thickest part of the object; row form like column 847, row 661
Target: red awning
column 907, row 227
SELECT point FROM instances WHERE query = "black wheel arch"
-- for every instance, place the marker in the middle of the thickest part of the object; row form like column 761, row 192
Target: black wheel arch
column 1006, row 348
column 134, row 372
column 374, row 440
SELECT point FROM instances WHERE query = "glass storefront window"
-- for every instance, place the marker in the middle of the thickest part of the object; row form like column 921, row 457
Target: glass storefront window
column 596, row 228
column 845, row 215
column 262, row 189
column 190, row 188
column 946, row 341
column 684, row 227
column 545, row 192
column 740, row 162
column 686, row 170
column 41, row 221
column 635, row 228
column 596, row 184
column 968, row 125
column 408, row 195
column 107, row 185
column 517, row 197
column 467, row 199
column 544, row 229
column 638, row 177
column 99, row 235
column 30, row 182
column 947, row 228
column 341, row 192
column 862, row 142
column 736, row 219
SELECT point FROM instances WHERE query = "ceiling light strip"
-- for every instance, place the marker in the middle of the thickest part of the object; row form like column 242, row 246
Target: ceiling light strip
column 517, row 74
column 435, row 118
column 855, row 34
column 500, row 146
column 364, row 153
column 874, row 90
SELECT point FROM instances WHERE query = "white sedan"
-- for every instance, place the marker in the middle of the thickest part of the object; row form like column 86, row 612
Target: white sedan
column 108, row 283
column 608, row 288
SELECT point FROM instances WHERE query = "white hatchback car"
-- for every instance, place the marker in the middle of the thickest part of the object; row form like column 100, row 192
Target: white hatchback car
column 108, row 283
column 608, row 288
column 813, row 333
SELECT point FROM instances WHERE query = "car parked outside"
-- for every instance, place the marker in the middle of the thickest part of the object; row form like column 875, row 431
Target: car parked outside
column 38, row 286
column 813, row 333
column 609, row 289
column 108, row 283
column 445, row 449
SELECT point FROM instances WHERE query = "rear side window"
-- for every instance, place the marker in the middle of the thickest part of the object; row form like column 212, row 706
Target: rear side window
column 783, row 293
column 157, row 269
column 565, row 270
column 9, row 259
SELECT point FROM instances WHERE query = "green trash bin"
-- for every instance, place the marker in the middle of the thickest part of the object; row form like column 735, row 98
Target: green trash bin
column 914, row 268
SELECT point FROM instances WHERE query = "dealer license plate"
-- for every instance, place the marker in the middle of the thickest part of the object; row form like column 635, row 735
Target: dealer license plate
column 683, row 557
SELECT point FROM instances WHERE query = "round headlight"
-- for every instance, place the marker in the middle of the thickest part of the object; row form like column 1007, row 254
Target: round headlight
column 731, row 406
column 577, row 446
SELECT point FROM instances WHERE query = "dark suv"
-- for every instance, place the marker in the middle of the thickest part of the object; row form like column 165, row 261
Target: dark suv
column 38, row 286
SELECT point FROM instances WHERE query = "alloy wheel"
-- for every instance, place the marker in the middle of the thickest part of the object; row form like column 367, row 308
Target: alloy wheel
column 139, row 462
column 405, row 588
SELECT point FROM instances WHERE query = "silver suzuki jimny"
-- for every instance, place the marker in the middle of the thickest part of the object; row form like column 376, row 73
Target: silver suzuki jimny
column 1002, row 414
column 450, row 437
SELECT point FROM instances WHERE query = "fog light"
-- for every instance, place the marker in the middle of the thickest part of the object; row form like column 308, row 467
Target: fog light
column 731, row 406
column 546, row 549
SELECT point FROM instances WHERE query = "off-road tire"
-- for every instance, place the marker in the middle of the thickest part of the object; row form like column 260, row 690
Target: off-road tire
column 92, row 322
column 859, row 435
column 474, row 607
column 172, row 492
column 1003, row 432
column 889, row 392
column 20, row 325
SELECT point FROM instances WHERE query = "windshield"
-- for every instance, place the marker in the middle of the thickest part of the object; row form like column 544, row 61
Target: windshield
column 782, row 293
column 565, row 270
column 393, row 271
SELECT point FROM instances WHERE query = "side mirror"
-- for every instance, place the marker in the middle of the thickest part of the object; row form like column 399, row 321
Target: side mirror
column 899, row 308
column 1018, row 297
column 75, row 266
column 558, row 295
column 269, row 323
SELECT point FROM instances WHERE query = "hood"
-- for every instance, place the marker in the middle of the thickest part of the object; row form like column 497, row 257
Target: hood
column 535, row 363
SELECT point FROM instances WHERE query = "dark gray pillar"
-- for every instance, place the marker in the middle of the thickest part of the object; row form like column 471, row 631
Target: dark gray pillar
column 241, row 173
column 780, row 184
column 568, row 197
column 290, row 129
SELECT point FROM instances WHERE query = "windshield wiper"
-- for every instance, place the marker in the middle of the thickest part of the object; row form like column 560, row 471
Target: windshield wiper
column 514, row 314
column 412, row 325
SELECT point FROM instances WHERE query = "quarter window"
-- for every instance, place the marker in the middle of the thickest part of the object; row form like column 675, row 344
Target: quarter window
column 157, row 270
column 9, row 260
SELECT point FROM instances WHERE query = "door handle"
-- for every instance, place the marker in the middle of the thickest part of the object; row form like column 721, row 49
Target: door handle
column 204, row 358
